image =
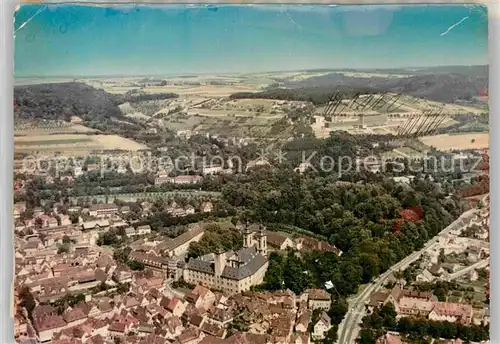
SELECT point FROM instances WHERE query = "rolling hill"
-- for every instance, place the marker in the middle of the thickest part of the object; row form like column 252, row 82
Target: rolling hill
column 60, row 101
column 441, row 84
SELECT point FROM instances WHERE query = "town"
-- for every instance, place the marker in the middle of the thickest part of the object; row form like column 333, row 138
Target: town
column 98, row 272
column 190, row 174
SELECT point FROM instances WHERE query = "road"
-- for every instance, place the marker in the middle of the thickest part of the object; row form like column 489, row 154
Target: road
column 348, row 329
column 479, row 265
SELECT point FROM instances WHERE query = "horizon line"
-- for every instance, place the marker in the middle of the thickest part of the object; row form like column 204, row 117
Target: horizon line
column 240, row 73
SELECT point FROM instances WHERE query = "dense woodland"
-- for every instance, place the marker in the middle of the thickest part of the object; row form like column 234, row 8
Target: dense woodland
column 316, row 95
column 60, row 101
column 357, row 218
column 447, row 87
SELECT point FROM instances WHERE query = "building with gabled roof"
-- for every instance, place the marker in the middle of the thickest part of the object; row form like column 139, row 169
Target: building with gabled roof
column 321, row 327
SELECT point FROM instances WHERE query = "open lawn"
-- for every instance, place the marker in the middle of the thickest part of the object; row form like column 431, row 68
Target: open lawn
column 448, row 142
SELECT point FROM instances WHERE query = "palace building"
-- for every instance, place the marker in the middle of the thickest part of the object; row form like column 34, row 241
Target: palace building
column 233, row 271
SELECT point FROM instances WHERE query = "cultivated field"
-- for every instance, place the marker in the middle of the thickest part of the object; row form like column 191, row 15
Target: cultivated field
column 50, row 128
column 447, row 142
column 203, row 90
column 73, row 144
column 244, row 117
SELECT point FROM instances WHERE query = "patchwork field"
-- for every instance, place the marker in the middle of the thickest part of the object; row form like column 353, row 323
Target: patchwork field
column 79, row 144
column 203, row 90
column 447, row 142
column 223, row 123
column 50, row 128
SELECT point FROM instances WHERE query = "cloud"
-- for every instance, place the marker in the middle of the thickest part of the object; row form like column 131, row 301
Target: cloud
column 372, row 21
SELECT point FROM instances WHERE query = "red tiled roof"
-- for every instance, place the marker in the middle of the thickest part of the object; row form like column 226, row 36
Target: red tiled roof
column 117, row 327
column 452, row 309
column 173, row 303
column 49, row 322
column 74, row 315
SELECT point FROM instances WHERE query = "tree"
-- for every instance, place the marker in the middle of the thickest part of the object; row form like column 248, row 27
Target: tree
column 123, row 288
column 389, row 314
column 367, row 336
column 442, row 256
column 27, row 299
column 216, row 238
column 440, row 293
column 135, row 265
column 66, row 240
column 370, row 264
column 331, row 335
column 338, row 309
column 295, row 276
column 121, row 255
column 62, row 248
column 273, row 280
column 74, row 217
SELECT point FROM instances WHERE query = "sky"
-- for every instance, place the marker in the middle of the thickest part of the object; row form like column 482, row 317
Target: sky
column 74, row 40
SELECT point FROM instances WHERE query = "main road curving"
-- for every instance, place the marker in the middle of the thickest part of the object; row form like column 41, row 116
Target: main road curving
column 349, row 327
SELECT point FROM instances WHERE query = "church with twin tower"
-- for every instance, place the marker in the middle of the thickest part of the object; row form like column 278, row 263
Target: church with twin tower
column 233, row 271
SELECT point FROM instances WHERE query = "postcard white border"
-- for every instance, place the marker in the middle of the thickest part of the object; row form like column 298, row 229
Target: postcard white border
column 6, row 148
column 6, row 180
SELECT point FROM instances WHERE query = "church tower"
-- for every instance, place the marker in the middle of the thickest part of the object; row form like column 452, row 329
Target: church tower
column 247, row 237
column 262, row 241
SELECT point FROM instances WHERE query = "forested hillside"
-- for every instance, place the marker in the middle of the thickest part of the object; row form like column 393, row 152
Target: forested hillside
column 60, row 101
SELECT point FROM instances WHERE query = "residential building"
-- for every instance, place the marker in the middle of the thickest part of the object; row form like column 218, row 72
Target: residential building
column 321, row 327
column 148, row 259
column 142, row 230
column 308, row 243
column 180, row 244
column 103, row 210
column 212, row 169
column 187, row 179
column 201, row 297
column 279, row 241
column 318, row 299
column 303, row 320
column 122, row 274
column 206, row 207
column 389, row 339
column 452, row 312
column 163, row 178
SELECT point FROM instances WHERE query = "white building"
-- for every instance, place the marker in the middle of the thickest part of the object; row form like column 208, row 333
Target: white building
column 321, row 327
